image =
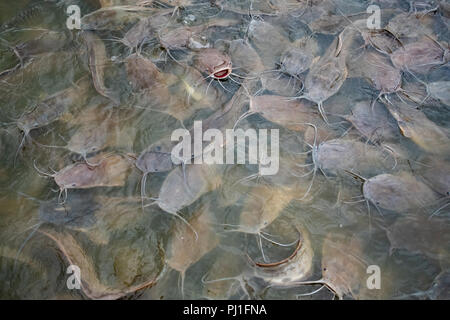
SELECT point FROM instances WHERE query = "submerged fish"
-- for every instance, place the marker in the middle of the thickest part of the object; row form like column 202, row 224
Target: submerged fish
column 49, row 41
column 145, row 30
column 180, row 38
column 109, row 171
column 381, row 40
column 244, row 57
column 409, row 25
column 401, row 192
column 338, row 155
column 213, row 63
column 326, row 76
column 292, row 114
column 157, row 157
column 116, row 17
column 379, row 71
column 53, row 107
column 184, row 249
column 329, row 24
column 436, row 173
column 281, row 85
column 263, row 205
column 263, row 7
column 144, row 74
column 420, row 56
column 415, row 125
column 418, row 234
column 182, row 188
column 91, row 284
column 440, row 90
column 97, row 62
column 298, row 57
column 77, row 212
column 343, row 266
column 291, row 270
column 268, row 41
column 226, row 276
column 374, row 122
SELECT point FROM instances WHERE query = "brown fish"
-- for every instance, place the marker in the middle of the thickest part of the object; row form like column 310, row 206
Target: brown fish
column 158, row 156
column 292, row 114
column 298, row 57
column 143, row 73
column 326, row 76
column 185, row 249
column 243, row 55
column 436, row 173
column 109, row 171
column 144, row 30
column 49, row 41
column 97, row 62
column 379, row 71
column 329, row 24
column 263, row 206
column 282, row 85
column 373, row 122
column 180, row 189
column 268, row 40
column 409, row 25
column 213, row 63
column 178, row 38
column 292, row 269
column 415, row 125
column 418, row 234
column 90, row 284
column 245, row 7
column 153, row 88
column 381, row 40
column 225, row 277
column 53, row 108
column 343, row 266
column 420, row 56
column 91, row 138
column 196, row 92
column 116, row 17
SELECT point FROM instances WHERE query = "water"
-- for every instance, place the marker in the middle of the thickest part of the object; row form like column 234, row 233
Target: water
column 121, row 247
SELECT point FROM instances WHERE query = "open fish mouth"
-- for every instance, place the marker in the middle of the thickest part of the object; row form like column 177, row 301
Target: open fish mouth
column 222, row 74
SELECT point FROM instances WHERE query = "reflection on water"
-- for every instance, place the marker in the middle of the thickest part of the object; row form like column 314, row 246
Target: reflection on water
column 86, row 177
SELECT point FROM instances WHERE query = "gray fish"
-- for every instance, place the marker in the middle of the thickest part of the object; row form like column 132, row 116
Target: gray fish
column 399, row 193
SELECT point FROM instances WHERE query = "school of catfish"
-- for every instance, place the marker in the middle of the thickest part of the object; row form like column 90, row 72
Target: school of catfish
column 87, row 176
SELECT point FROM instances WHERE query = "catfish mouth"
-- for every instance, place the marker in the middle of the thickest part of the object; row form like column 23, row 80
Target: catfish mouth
column 222, row 74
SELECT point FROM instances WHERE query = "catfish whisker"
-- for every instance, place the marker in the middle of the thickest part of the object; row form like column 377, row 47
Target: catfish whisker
column 261, row 247
column 309, row 293
column 220, row 83
column 24, row 243
column 438, row 210
column 278, row 243
column 239, row 83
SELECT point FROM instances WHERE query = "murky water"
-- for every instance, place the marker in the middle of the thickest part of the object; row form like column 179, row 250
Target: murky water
column 358, row 203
